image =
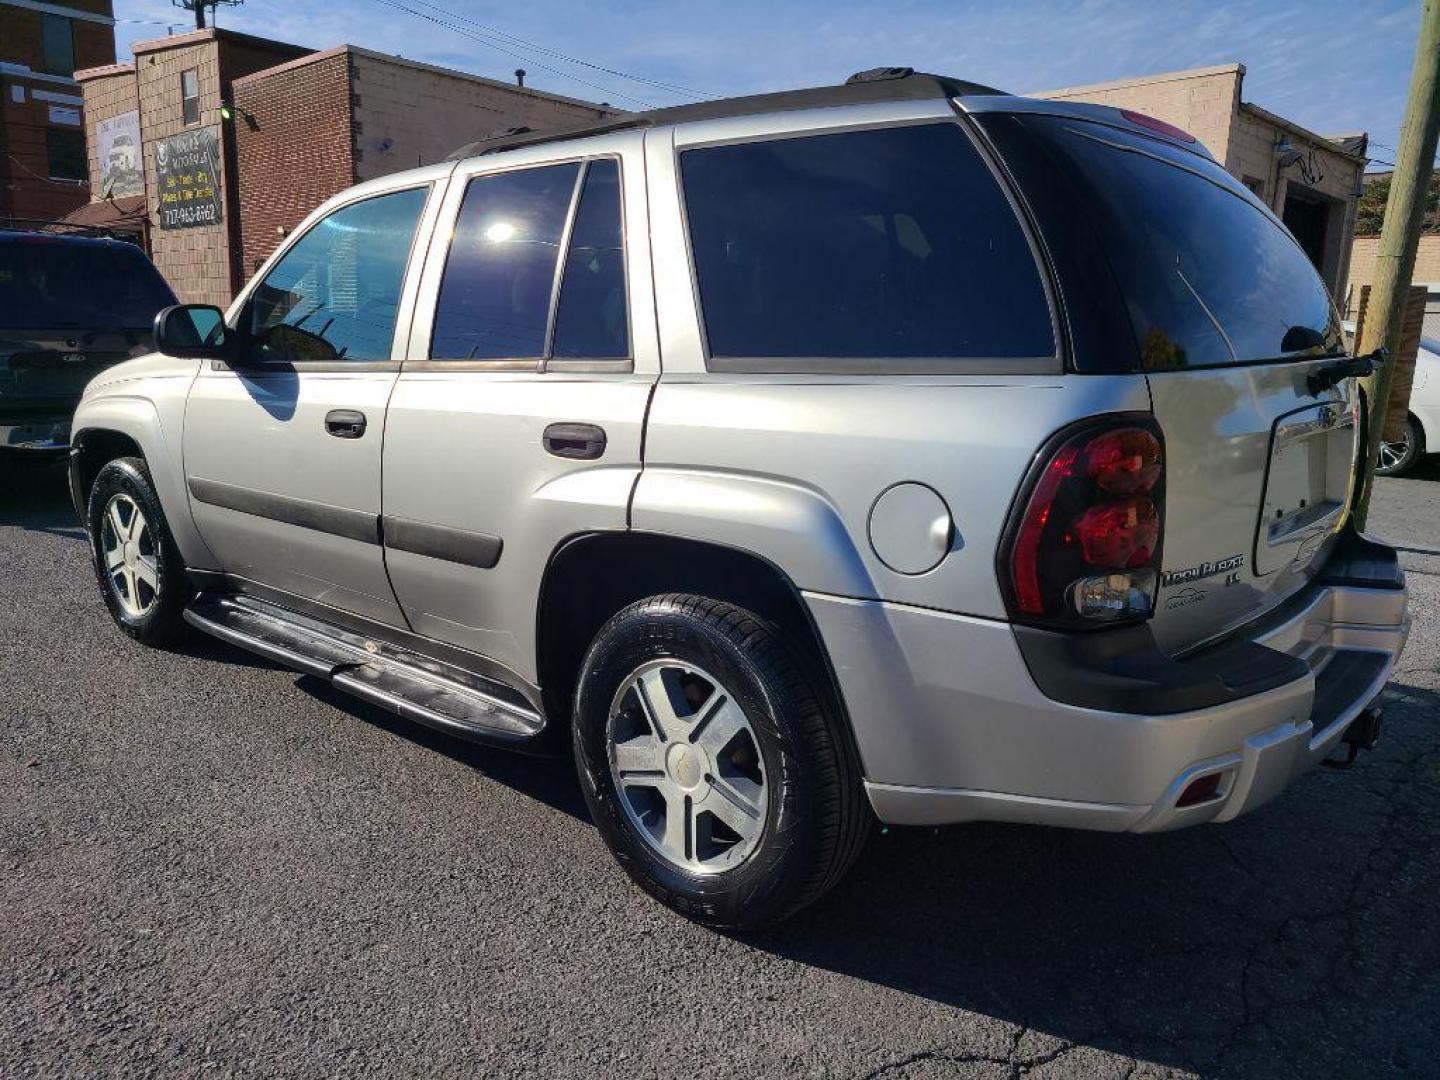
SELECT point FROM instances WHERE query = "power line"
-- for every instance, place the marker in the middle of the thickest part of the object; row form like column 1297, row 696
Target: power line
column 544, row 50
column 459, row 29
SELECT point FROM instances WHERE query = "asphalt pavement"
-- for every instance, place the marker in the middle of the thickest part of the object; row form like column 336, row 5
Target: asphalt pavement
column 212, row 866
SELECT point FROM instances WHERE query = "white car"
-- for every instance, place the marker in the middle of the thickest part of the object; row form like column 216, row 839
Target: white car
column 1422, row 426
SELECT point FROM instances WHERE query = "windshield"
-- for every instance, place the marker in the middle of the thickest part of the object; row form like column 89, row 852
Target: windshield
column 1209, row 277
column 48, row 283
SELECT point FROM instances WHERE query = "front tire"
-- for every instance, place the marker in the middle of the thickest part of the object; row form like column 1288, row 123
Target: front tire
column 713, row 767
column 1397, row 458
column 137, row 565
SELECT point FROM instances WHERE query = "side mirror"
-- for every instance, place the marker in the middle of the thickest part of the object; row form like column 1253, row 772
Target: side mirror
column 193, row 330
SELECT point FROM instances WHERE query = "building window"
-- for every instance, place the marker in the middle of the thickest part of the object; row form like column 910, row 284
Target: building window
column 66, row 152
column 57, row 43
column 190, row 95
column 1256, row 185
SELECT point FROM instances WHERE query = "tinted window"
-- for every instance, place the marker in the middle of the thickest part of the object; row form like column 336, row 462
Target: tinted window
column 500, row 273
column 65, row 154
column 334, row 294
column 48, row 282
column 591, row 319
column 57, row 45
column 886, row 243
column 1209, row 277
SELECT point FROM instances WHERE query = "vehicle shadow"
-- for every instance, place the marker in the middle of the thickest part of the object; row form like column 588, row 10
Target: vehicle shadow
column 1429, row 469
column 1226, row 949
column 550, row 779
column 36, row 496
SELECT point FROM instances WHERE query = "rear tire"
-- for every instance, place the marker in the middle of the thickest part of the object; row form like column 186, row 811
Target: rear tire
column 769, row 807
column 1400, row 457
column 139, row 570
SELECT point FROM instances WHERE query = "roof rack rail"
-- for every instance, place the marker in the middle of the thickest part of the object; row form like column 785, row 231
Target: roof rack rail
column 874, row 85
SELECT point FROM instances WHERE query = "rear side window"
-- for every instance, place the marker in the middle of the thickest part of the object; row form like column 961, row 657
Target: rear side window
column 513, row 290
column 590, row 321
column 500, row 272
column 879, row 245
column 1209, row 277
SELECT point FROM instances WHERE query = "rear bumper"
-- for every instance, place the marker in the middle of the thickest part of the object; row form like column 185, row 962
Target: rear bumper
column 953, row 727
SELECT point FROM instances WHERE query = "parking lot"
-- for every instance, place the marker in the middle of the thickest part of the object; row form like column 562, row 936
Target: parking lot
column 209, row 863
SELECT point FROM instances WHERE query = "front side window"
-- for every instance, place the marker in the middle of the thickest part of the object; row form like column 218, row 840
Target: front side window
column 190, row 96
column 57, row 45
column 884, row 244
column 334, row 295
column 498, row 298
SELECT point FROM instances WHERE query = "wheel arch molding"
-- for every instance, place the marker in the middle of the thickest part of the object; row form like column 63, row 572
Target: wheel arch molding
column 590, row 576
column 125, row 426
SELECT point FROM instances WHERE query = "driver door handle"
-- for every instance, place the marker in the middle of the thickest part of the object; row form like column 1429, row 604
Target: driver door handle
column 345, row 423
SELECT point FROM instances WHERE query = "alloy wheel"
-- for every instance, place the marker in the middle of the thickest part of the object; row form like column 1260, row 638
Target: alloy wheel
column 132, row 564
column 1393, row 454
column 687, row 767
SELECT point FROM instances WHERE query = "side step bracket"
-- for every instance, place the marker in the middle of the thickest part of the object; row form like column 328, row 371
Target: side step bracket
column 418, row 688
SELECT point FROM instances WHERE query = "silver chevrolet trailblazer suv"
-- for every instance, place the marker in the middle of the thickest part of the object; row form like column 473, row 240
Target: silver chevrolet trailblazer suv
column 899, row 450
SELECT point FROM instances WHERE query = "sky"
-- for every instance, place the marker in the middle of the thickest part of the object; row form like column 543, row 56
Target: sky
column 1328, row 65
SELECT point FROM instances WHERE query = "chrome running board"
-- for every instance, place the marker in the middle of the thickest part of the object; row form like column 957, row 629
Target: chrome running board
column 416, row 687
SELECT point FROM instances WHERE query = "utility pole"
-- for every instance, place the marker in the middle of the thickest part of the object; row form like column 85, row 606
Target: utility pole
column 1400, row 234
column 199, row 6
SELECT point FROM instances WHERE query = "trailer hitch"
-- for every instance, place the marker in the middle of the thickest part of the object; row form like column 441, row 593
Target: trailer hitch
column 1362, row 734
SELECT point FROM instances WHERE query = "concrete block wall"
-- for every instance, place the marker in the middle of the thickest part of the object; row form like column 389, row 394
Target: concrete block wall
column 1202, row 102
column 195, row 261
column 1251, row 156
column 1362, row 263
column 293, row 147
column 409, row 114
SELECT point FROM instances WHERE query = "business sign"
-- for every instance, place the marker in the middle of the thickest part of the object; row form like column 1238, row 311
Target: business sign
column 187, row 175
column 117, row 141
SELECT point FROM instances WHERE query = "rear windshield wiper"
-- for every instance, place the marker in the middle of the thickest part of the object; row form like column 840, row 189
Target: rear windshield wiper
column 1352, row 367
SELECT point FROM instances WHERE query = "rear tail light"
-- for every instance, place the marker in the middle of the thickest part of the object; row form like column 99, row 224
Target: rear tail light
column 1083, row 544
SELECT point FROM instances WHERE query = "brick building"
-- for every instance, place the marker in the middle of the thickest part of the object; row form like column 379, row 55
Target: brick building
column 219, row 191
column 42, row 133
column 312, row 127
column 167, row 103
column 1311, row 181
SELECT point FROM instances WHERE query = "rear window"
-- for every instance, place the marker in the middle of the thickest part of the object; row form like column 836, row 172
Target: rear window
column 48, row 283
column 882, row 245
column 1209, row 276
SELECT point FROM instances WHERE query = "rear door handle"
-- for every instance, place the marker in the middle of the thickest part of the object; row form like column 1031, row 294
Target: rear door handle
column 580, row 442
column 345, row 423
